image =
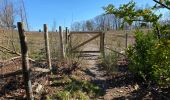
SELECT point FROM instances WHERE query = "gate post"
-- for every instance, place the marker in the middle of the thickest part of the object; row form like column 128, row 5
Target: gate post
column 102, row 36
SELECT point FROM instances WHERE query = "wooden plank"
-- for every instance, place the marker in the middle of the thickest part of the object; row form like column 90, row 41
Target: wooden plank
column 115, row 51
column 43, row 70
column 86, row 42
column 88, row 32
column 9, row 51
column 19, row 72
column 25, row 61
column 86, row 51
column 47, row 48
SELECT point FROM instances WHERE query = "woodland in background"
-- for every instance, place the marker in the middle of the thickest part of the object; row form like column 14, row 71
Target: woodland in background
column 106, row 22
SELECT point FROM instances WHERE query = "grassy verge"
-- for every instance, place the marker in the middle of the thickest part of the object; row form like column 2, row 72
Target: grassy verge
column 76, row 89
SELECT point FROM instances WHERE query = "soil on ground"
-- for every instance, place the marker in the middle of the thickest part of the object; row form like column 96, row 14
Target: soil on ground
column 119, row 85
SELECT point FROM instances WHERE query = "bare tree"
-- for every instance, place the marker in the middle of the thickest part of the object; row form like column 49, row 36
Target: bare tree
column 54, row 26
column 22, row 13
column 89, row 25
column 163, row 3
column 76, row 26
column 10, row 10
column 83, row 25
column 99, row 23
column 7, row 16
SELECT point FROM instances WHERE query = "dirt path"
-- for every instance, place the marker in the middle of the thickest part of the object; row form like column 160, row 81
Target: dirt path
column 122, row 86
column 116, row 87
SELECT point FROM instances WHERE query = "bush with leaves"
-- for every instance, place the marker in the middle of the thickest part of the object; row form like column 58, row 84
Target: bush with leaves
column 161, row 62
column 150, row 58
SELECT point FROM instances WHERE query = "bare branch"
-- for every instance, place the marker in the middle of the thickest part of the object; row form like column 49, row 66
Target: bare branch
column 165, row 6
column 9, row 51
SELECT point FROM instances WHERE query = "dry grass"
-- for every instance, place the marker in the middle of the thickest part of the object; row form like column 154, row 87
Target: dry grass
column 117, row 39
column 35, row 40
column 10, row 39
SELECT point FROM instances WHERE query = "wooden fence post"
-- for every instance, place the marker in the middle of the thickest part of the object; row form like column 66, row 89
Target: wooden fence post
column 47, row 48
column 66, row 42
column 25, row 62
column 69, row 40
column 61, row 43
column 66, row 36
column 126, row 40
column 102, row 43
column 69, row 43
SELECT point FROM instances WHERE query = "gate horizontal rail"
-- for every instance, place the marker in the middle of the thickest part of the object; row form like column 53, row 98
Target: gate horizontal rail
column 99, row 34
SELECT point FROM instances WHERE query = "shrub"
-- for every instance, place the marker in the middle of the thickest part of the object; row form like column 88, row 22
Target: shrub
column 150, row 58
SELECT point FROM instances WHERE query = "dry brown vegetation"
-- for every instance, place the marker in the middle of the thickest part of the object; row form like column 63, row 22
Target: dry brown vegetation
column 35, row 40
column 10, row 40
column 93, row 79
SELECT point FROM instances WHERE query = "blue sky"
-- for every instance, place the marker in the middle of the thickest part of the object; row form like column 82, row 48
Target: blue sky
column 65, row 12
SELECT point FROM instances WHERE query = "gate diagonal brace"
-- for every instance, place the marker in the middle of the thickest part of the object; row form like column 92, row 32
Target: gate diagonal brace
column 85, row 42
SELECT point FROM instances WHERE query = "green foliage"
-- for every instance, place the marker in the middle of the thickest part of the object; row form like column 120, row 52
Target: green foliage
column 66, row 95
column 139, row 54
column 129, row 14
column 85, row 86
column 63, row 95
column 40, row 55
column 48, row 98
column 150, row 58
column 64, row 80
column 75, row 89
column 161, row 64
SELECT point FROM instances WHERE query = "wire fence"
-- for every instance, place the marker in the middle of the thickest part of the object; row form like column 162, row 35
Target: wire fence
column 36, row 44
column 119, row 40
column 10, row 62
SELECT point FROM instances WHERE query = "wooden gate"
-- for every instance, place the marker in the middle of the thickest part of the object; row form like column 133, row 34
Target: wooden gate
column 96, row 35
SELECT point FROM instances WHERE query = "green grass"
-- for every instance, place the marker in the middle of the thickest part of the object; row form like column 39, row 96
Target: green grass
column 76, row 89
